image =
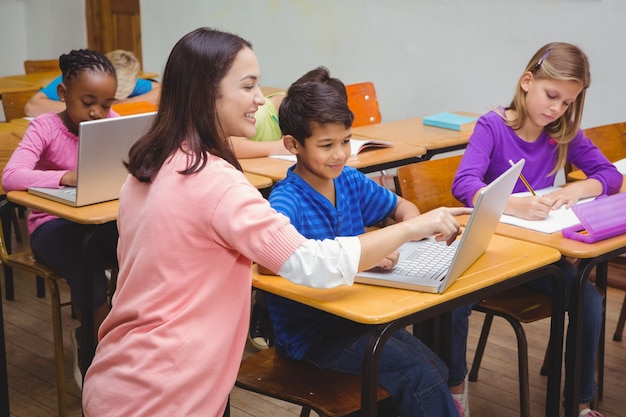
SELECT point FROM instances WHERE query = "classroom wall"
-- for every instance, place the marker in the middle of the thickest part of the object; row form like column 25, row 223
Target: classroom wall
column 424, row 56
column 39, row 29
column 12, row 37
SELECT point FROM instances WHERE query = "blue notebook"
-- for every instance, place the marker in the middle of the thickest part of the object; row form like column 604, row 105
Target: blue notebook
column 448, row 120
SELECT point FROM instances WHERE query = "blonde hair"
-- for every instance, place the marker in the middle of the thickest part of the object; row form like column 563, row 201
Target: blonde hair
column 556, row 61
column 127, row 69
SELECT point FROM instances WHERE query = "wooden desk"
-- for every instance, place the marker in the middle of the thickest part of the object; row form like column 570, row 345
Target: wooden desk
column 259, row 181
column 506, row 264
column 413, row 132
column 8, row 85
column 367, row 161
column 42, row 79
column 13, row 127
column 38, row 79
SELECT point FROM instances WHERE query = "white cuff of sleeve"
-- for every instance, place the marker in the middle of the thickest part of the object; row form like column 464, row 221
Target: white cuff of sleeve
column 324, row 264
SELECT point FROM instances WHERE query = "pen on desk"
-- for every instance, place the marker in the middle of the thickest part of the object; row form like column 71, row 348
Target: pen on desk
column 521, row 177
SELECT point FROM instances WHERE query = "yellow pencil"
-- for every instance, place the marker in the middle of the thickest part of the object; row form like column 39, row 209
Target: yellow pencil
column 521, row 177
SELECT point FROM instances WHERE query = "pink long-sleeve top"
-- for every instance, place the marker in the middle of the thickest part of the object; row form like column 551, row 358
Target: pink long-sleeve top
column 46, row 152
column 174, row 339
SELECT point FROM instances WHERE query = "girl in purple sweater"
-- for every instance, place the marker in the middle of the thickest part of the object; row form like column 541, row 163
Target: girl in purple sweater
column 542, row 125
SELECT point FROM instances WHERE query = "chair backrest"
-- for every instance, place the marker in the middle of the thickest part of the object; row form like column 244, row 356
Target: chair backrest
column 134, row 107
column 611, row 139
column 8, row 143
column 428, row 184
column 41, row 65
column 13, row 103
column 363, row 102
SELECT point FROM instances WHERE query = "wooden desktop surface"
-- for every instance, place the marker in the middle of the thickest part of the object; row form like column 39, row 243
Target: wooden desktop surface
column 568, row 247
column 13, row 126
column 8, row 85
column 413, row 132
column 92, row 214
column 42, row 79
column 276, row 169
column 370, row 304
column 95, row 213
column 258, row 181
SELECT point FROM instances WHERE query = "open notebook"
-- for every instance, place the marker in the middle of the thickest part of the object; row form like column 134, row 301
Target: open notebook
column 356, row 146
column 431, row 266
column 103, row 145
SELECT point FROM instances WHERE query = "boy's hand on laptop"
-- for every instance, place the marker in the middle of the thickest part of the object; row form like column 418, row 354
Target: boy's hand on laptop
column 69, row 178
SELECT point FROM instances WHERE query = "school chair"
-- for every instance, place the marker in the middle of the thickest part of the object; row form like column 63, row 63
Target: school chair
column 41, row 65
column 610, row 139
column 8, row 143
column 328, row 393
column 25, row 261
column 134, row 107
column 13, row 104
column 428, row 185
column 363, row 102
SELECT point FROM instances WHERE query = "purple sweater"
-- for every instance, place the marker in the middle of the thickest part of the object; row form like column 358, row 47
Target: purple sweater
column 493, row 143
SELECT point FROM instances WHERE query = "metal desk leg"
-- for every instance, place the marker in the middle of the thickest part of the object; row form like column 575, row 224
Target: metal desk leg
column 87, row 343
column 557, row 321
column 369, row 379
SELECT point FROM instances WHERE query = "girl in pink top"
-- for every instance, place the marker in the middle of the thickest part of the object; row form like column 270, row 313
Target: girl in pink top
column 47, row 156
column 190, row 226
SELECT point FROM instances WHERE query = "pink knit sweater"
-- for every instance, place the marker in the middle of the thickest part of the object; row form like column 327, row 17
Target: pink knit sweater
column 173, row 342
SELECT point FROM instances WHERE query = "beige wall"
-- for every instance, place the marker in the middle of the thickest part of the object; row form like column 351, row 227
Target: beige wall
column 424, row 56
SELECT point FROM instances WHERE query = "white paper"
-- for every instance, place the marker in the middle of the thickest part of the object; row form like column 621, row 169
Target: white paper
column 555, row 222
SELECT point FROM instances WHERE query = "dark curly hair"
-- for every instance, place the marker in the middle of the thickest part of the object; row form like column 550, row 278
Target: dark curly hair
column 79, row 60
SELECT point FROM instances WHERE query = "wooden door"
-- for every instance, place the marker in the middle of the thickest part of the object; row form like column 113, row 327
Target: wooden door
column 114, row 24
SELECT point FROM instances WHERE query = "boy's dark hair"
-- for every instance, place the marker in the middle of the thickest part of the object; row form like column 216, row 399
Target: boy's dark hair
column 310, row 102
column 321, row 74
column 79, row 60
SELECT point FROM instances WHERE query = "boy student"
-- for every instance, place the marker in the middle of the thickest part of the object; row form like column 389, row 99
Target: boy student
column 324, row 199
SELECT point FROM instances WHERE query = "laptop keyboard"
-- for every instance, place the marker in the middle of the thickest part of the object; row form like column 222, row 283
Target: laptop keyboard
column 429, row 261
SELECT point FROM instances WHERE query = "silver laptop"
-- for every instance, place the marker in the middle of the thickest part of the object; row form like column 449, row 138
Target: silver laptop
column 431, row 266
column 103, row 145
